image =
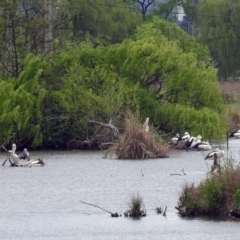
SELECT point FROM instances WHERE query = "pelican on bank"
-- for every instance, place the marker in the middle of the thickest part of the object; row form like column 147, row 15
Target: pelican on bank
column 217, row 152
column 193, row 141
column 184, row 137
column 235, row 134
column 203, row 146
column 174, row 140
column 24, row 155
column 13, row 158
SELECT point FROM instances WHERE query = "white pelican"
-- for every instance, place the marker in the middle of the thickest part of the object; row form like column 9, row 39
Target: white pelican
column 235, row 134
column 193, row 141
column 24, row 155
column 36, row 163
column 145, row 125
column 14, row 159
column 219, row 153
column 174, row 140
column 184, row 137
column 203, row 146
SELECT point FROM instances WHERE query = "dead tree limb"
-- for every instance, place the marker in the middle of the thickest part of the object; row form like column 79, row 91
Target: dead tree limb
column 2, row 146
column 108, row 125
column 96, row 206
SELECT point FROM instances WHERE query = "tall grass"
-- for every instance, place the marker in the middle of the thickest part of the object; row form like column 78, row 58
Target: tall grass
column 136, row 143
column 136, row 205
column 218, row 194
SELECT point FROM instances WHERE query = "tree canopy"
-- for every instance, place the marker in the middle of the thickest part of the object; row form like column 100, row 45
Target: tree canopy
column 160, row 73
column 220, row 31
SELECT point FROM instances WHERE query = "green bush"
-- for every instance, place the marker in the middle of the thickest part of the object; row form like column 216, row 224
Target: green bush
column 218, row 194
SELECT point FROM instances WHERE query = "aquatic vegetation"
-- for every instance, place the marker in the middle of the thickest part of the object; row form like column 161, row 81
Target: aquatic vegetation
column 136, row 143
column 218, row 194
column 137, row 208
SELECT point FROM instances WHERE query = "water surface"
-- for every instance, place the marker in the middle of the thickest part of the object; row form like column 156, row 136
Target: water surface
column 44, row 202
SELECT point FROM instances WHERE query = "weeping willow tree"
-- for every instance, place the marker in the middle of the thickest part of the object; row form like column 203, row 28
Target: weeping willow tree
column 178, row 73
column 220, row 31
column 92, row 91
column 160, row 73
column 21, row 104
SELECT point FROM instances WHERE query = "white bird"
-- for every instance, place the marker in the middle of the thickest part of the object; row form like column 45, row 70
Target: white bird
column 14, row 159
column 193, row 141
column 36, row 163
column 203, row 146
column 145, row 125
column 219, row 153
column 174, row 140
column 235, row 134
column 24, row 155
column 184, row 137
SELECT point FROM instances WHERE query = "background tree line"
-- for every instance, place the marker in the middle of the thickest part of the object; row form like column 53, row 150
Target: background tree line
column 65, row 62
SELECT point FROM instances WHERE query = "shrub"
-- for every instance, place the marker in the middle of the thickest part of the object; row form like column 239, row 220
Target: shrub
column 218, row 194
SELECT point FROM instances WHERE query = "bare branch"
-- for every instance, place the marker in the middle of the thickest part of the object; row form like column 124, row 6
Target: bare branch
column 107, row 125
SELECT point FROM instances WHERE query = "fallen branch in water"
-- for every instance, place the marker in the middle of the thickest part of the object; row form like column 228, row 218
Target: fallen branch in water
column 95, row 206
column 112, row 214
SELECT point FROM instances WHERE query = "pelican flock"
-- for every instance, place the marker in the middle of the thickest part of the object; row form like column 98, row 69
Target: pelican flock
column 184, row 141
column 15, row 159
column 188, row 142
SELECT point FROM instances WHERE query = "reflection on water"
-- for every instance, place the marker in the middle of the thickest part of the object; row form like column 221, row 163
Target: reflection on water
column 43, row 202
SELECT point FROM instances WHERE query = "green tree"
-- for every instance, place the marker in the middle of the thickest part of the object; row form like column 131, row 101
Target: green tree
column 220, row 31
column 170, row 64
column 26, row 27
column 21, row 104
column 111, row 21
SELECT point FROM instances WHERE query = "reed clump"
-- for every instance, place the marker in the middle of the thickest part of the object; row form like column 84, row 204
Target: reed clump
column 137, row 208
column 136, row 143
column 218, row 194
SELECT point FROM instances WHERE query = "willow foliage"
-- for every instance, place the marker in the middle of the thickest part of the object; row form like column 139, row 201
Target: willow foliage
column 178, row 75
column 21, row 104
column 220, row 27
column 163, row 77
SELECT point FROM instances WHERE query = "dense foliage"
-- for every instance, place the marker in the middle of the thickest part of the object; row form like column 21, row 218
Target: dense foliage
column 160, row 73
column 217, row 195
column 219, row 26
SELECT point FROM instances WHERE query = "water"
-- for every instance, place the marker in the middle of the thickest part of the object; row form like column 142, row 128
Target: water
column 44, row 202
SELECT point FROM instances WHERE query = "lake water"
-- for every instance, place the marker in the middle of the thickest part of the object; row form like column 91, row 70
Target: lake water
column 44, row 202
